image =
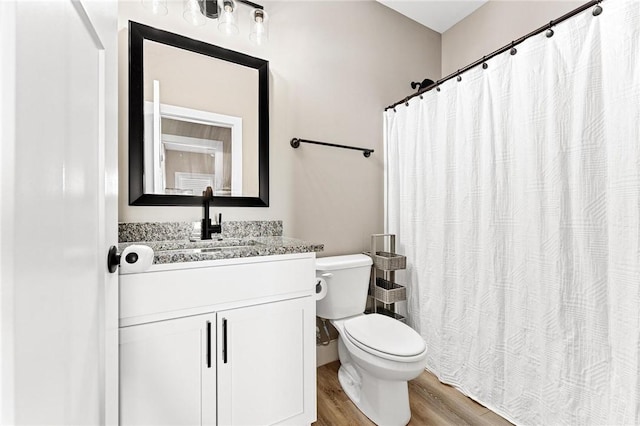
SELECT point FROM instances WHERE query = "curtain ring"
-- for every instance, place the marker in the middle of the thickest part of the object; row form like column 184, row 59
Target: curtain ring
column 394, row 109
column 549, row 32
column 597, row 10
column 421, row 97
column 513, row 50
column 406, row 101
column 484, row 64
column 459, row 77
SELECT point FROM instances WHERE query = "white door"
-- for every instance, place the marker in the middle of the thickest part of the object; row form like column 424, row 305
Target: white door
column 168, row 372
column 266, row 364
column 58, row 175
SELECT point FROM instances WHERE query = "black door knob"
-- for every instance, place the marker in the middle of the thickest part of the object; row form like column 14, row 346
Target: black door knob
column 113, row 259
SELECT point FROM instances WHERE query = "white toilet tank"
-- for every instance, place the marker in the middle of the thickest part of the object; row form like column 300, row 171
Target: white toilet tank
column 347, row 280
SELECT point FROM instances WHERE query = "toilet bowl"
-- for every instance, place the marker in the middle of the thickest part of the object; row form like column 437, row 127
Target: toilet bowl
column 378, row 354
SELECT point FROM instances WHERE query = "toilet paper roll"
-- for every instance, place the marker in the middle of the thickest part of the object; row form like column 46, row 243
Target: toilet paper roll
column 136, row 258
column 321, row 288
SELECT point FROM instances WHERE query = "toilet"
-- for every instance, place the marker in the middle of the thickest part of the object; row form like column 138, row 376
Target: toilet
column 378, row 354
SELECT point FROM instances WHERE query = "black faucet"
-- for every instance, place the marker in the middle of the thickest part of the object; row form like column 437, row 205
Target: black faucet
column 207, row 228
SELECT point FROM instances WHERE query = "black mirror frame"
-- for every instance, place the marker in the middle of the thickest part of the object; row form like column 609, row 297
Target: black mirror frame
column 137, row 34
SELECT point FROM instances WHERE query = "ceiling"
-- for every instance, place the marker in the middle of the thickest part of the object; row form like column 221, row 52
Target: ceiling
column 439, row 15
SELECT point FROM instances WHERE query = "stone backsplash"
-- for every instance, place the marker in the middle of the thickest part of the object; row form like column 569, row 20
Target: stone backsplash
column 166, row 231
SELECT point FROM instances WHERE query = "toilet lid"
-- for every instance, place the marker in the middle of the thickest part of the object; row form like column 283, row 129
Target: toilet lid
column 384, row 334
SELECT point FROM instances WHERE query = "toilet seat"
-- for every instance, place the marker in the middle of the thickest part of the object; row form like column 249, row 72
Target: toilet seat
column 385, row 337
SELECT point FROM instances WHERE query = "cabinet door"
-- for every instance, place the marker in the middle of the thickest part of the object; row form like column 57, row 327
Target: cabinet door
column 266, row 364
column 168, row 372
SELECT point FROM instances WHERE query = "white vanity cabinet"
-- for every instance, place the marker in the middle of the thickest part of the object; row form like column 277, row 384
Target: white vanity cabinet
column 167, row 372
column 263, row 370
column 229, row 342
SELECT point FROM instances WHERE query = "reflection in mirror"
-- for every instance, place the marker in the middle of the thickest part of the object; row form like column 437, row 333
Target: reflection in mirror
column 205, row 90
column 194, row 162
column 198, row 118
column 188, row 150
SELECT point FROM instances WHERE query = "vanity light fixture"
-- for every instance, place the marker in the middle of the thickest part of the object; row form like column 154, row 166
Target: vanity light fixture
column 157, row 7
column 226, row 12
column 227, row 17
column 192, row 13
column 259, row 29
column 197, row 12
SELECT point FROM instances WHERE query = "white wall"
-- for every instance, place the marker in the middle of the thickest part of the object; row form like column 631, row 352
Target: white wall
column 494, row 25
column 334, row 67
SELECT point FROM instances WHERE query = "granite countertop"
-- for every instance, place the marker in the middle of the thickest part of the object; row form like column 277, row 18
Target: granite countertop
column 182, row 247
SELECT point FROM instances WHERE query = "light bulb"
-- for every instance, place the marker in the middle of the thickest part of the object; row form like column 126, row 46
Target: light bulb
column 259, row 26
column 192, row 13
column 227, row 18
column 157, row 7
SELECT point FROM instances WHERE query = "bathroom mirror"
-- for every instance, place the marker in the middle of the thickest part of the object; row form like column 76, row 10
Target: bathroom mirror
column 198, row 117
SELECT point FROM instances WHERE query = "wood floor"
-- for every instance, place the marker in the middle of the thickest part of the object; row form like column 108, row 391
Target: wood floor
column 432, row 403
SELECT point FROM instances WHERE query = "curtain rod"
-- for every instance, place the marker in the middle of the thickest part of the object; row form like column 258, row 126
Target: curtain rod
column 510, row 46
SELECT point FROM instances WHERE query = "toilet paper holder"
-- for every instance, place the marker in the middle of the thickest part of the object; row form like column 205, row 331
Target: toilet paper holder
column 321, row 288
column 113, row 258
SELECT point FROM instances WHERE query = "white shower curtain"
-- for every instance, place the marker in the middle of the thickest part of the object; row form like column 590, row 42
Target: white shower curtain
column 515, row 195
